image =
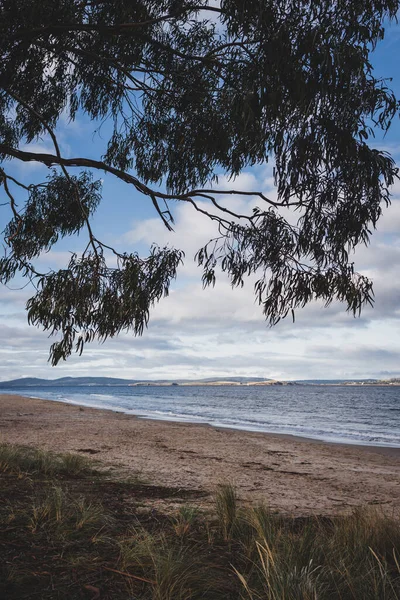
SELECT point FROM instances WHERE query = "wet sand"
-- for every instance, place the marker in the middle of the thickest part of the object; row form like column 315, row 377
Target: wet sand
column 293, row 475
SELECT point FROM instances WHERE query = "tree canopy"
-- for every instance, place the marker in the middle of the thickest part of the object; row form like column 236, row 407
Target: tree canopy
column 193, row 88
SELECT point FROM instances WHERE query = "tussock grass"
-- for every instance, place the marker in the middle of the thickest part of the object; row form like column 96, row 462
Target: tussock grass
column 184, row 520
column 75, row 464
column 169, row 568
column 60, row 512
column 226, row 508
column 19, row 460
column 348, row 558
column 64, row 535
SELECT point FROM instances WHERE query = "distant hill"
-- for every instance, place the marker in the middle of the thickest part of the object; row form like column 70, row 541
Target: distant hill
column 88, row 381
column 28, row 382
column 333, row 381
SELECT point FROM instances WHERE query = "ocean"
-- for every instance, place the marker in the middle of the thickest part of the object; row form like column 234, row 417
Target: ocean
column 350, row 414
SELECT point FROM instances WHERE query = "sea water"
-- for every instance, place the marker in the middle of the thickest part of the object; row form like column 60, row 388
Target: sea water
column 352, row 414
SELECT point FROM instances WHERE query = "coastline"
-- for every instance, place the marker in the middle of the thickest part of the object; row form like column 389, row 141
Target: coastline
column 380, row 448
column 196, row 419
column 294, row 475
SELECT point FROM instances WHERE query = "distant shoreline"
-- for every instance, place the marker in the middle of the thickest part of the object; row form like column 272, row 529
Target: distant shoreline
column 4, row 388
column 85, row 382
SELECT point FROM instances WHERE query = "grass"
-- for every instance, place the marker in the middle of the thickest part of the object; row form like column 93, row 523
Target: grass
column 226, row 508
column 70, row 533
column 59, row 511
column 184, row 520
column 21, row 460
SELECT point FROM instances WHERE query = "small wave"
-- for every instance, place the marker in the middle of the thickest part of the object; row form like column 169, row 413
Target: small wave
column 105, row 397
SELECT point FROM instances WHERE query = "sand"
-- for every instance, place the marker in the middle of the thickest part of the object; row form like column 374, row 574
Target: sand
column 294, row 475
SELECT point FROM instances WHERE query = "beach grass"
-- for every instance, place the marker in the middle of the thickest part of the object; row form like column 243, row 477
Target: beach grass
column 72, row 532
column 18, row 460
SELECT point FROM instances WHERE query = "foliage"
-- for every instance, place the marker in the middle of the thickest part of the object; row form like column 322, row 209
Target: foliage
column 191, row 89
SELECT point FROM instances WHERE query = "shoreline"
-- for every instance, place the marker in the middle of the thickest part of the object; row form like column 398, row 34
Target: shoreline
column 386, row 448
column 293, row 475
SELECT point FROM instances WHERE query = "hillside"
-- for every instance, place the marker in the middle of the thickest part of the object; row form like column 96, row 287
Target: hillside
column 111, row 381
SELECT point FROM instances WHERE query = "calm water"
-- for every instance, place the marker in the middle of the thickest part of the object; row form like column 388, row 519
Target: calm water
column 364, row 415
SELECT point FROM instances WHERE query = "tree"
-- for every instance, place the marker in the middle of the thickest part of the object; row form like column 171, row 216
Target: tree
column 191, row 88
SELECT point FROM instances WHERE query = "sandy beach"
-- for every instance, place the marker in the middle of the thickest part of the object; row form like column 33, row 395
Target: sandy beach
column 294, row 475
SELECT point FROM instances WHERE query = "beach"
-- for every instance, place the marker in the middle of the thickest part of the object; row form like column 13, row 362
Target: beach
column 293, row 475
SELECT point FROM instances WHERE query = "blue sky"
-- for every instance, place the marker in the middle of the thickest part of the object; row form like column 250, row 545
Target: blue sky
column 200, row 333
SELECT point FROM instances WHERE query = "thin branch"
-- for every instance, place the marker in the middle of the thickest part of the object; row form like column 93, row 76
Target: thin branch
column 222, row 208
column 222, row 222
column 13, row 205
column 161, row 213
column 243, row 193
column 6, row 176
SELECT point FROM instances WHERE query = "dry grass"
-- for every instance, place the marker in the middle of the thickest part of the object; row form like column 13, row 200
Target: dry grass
column 65, row 537
column 347, row 558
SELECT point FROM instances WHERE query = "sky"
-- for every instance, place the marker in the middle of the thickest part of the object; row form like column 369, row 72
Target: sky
column 216, row 332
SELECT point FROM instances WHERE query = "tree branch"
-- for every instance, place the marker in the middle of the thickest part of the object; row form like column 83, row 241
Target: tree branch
column 51, row 160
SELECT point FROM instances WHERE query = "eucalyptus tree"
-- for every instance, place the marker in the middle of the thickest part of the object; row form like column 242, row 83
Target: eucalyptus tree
column 190, row 89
